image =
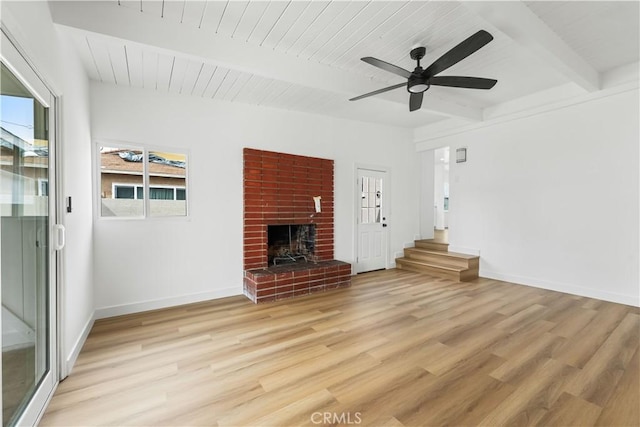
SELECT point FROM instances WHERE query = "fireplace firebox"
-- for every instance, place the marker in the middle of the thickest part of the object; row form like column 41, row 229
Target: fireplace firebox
column 290, row 243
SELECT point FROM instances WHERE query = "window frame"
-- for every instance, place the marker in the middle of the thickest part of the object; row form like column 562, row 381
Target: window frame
column 146, row 211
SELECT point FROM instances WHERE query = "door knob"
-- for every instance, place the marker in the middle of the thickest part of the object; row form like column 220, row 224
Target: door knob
column 384, row 225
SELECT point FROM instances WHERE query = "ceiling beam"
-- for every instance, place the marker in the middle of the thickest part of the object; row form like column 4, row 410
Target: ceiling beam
column 109, row 19
column 515, row 20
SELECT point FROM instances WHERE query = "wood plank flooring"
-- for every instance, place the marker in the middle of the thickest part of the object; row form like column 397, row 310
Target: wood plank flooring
column 396, row 349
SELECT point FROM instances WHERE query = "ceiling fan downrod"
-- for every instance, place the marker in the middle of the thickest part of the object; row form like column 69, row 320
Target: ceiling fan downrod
column 417, row 83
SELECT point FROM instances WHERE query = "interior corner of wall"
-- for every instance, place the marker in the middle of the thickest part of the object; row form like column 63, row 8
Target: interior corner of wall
column 70, row 359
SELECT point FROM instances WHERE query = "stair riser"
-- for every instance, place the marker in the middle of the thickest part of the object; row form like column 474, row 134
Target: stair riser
column 442, row 247
column 430, row 270
column 468, row 275
column 435, row 259
column 441, row 259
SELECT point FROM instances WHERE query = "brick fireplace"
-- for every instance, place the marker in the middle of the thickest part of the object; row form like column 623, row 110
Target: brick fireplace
column 279, row 191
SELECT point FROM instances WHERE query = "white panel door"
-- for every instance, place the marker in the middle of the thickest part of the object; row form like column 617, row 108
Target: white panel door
column 372, row 214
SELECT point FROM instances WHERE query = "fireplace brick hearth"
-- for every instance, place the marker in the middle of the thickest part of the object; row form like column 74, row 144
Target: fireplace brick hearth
column 292, row 280
column 278, row 190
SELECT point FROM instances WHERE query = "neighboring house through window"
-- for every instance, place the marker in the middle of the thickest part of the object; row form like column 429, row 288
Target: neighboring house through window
column 126, row 172
column 124, row 191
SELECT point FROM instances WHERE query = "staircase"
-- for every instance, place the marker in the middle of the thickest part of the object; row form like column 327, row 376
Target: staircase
column 432, row 256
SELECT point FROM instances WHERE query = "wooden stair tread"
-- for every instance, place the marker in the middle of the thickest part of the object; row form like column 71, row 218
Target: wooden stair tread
column 441, row 253
column 431, row 241
column 432, row 245
column 426, row 264
column 432, row 256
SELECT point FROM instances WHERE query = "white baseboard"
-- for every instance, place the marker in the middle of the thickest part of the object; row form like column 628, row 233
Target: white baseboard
column 137, row 307
column 75, row 351
column 632, row 300
column 463, row 250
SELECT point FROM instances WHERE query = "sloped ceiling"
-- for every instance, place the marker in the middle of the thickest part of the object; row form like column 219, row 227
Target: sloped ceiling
column 305, row 56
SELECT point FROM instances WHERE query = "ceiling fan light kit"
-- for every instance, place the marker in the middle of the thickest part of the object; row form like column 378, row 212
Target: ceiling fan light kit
column 420, row 80
column 417, row 85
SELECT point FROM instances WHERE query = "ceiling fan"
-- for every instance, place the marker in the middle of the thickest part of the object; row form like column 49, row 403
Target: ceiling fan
column 421, row 79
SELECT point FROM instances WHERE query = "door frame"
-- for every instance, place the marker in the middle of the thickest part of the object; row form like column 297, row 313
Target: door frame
column 386, row 210
column 18, row 62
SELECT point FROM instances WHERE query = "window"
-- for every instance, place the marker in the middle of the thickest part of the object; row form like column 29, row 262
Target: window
column 126, row 173
column 166, row 175
column 371, row 200
column 43, row 187
column 123, row 191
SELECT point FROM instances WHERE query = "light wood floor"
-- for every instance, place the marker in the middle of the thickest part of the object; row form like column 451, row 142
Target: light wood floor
column 397, row 349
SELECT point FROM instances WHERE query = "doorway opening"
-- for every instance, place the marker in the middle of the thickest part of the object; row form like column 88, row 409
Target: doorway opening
column 441, row 194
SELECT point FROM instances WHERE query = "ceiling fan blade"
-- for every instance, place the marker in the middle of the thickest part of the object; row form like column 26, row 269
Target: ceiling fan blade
column 415, row 101
column 387, row 67
column 464, row 82
column 375, row 92
column 458, row 53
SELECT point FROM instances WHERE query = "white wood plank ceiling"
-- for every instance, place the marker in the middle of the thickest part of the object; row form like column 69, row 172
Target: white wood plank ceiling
column 305, row 55
column 605, row 33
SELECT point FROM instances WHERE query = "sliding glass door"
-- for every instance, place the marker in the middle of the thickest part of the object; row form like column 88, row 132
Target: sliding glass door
column 27, row 253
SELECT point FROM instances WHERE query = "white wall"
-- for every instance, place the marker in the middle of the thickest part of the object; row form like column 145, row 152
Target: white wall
column 78, row 291
column 31, row 25
column 551, row 200
column 143, row 264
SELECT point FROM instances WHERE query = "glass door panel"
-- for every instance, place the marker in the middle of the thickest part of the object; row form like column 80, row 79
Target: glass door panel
column 25, row 273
